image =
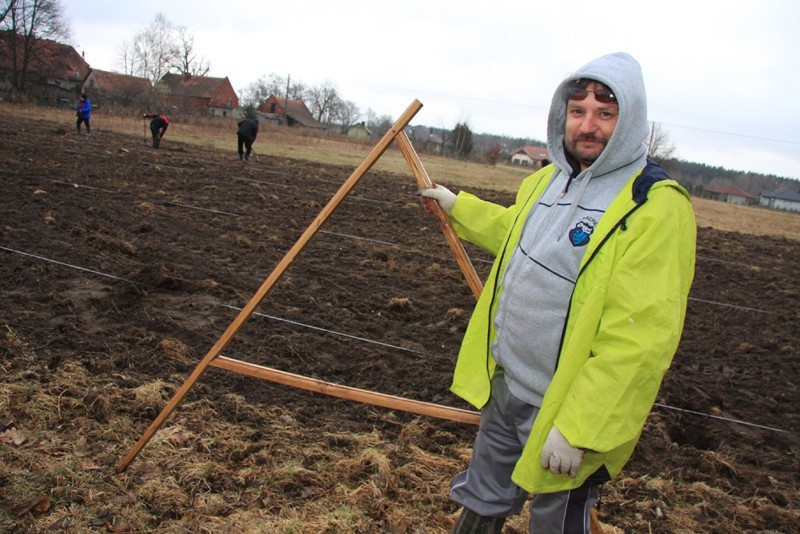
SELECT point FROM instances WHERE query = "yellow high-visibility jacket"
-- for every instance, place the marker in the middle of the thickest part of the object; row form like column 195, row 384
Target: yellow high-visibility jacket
column 622, row 329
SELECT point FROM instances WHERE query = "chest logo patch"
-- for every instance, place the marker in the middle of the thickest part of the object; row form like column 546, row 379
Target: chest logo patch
column 579, row 236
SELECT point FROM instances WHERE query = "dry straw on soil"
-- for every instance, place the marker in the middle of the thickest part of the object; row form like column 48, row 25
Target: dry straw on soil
column 234, row 466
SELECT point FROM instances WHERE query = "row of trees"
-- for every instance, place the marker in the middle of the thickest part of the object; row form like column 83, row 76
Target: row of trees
column 324, row 101
column 330, row 109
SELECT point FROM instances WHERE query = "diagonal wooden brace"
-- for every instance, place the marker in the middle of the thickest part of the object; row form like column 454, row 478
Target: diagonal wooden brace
column 267, row 285
column 444, row 220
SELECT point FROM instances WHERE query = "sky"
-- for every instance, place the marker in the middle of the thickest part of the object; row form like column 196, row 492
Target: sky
column 722, row 77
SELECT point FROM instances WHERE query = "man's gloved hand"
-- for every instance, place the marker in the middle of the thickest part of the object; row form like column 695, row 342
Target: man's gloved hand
column 559, row 456
column 440, row 193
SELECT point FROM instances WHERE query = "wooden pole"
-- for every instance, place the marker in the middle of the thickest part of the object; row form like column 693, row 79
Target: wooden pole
column 262, row 291
column 423, row 180
column 345, row 392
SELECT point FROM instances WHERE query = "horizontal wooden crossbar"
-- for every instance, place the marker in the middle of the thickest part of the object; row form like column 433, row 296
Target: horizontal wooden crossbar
column 346, row 392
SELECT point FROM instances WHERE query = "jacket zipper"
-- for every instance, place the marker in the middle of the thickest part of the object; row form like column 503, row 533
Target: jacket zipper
column 622, row 223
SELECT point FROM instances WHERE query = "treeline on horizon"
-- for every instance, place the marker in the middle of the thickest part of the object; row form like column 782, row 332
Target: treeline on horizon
column 695, row 177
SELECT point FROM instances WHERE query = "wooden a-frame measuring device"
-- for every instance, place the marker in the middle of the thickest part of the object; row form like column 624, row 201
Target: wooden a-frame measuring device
column 213, row 359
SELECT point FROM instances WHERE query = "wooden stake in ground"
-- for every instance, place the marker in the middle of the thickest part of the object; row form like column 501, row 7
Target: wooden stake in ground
column 262, row 291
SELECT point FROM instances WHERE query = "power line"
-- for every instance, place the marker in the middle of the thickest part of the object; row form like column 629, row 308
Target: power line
column 734, row 134
column 460, row 97
column 547, row 108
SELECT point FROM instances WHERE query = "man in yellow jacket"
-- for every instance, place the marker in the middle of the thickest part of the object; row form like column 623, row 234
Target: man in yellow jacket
column 582, row 311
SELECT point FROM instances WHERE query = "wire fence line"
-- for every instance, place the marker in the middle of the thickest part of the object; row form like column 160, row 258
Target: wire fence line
column 357, row 338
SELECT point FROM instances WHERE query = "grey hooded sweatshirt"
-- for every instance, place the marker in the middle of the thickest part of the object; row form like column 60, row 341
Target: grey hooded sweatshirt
column 541, row 274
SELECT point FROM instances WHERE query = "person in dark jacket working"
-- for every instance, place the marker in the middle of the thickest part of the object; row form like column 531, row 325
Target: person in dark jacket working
column 84, row 114
column 248, row 130
column 158, row 127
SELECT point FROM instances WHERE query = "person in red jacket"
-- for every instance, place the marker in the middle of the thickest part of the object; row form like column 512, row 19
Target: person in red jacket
column 158, row 127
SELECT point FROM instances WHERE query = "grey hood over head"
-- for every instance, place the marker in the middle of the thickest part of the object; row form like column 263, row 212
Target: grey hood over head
column 542, row 272
column 621, row 73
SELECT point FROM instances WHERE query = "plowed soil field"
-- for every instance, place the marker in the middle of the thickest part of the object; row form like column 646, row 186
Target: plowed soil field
column 122, row 266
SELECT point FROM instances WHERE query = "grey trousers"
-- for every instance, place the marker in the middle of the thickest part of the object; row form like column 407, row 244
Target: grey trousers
column 486, row 487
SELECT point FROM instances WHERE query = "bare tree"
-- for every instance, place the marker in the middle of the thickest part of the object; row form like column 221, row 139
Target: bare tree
column 323, row 99
column 27, row 23
column 5, row 8
column 346, row 113
column 159, row 48
column 659, row 145
column 187, row 61
column 125, row 57
column 154, row 51
column 378, row 124
column 272, row 84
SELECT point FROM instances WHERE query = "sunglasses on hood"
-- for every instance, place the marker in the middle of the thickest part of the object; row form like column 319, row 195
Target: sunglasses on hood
column 574, row 91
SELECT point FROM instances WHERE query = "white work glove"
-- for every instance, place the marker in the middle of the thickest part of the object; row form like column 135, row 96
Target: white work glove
column 439, row 193
column 559, row 456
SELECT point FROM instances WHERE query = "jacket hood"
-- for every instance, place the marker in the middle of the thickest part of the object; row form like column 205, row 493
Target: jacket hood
column 623, row 75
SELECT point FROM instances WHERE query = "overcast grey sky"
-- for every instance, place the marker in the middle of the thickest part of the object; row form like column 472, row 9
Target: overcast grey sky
column 721, row 76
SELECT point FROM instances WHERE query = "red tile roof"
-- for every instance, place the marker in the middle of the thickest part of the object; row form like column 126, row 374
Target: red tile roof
column 730, row 190
column 198, row 86
column 50, row 58
column 537, row 153
column 295, row 109
column 114, row 82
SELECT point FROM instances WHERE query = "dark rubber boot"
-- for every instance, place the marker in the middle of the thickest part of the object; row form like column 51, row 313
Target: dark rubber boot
column 471, row 523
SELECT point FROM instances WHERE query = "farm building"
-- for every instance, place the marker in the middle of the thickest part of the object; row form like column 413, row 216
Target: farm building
column 205, row 95
column 109, row 89
column 359, row 131
column 288, row 112
column 784, row 198
column 54, row 75
column 530, row 156
column 426, row 139
column 730, row 194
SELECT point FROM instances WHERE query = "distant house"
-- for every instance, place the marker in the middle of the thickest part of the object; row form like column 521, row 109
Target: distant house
column 214, row 97
column 288, row 112
column 530, row 156
column 359, row 131
column 784, row 198
column 107, row 89
column 730, row 194
column 425, row 139
column 54, row 75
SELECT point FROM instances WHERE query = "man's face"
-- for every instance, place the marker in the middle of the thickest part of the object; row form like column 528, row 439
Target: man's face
column 589, row 126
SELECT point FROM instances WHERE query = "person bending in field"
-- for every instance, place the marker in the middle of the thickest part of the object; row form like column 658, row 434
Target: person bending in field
column 158, row 127
column 246, row 134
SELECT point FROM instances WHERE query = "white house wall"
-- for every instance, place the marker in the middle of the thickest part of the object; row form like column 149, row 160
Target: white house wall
column 786, row 205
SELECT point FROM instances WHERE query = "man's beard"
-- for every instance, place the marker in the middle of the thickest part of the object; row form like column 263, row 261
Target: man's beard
column 585, row 157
